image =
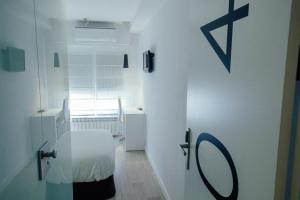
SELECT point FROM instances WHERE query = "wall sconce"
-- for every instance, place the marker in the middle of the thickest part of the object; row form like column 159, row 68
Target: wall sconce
column 56, row 60
column 13, row 59
column 125, row 61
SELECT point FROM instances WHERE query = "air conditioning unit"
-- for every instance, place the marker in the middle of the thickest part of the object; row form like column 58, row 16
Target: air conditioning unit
column 101, row 32
column 86, row 24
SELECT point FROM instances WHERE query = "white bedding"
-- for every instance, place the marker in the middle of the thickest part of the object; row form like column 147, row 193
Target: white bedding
column 93, row 155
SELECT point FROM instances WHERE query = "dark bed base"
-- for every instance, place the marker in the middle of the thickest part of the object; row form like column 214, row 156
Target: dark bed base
column 100, row 190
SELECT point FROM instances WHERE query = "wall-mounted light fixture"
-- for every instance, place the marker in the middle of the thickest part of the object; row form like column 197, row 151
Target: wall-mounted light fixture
column 56, row 60
column 13, row 59
column 125, row 61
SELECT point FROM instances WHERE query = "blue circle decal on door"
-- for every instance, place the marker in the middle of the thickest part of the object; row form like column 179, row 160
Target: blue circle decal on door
column 211, row 139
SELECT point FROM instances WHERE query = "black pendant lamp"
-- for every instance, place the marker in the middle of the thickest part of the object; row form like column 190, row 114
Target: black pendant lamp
column 125, row 61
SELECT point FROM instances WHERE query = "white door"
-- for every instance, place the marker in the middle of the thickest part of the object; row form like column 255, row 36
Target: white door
column 235, row 91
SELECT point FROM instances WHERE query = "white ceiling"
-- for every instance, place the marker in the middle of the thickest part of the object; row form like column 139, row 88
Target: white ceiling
column 103, row 10
column 145, row 12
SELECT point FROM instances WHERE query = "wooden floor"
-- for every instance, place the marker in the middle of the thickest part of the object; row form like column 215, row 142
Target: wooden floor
column 134, row 177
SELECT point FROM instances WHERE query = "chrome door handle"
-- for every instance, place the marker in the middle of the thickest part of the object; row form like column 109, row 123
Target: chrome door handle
column 43, row 156
column 52, row 154
column 187, row 146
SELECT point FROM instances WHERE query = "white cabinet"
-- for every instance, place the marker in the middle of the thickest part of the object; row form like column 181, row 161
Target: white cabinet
column 135, row 124
column 54, row 125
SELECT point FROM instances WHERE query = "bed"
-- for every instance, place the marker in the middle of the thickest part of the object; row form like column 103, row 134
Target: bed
column 93, row 165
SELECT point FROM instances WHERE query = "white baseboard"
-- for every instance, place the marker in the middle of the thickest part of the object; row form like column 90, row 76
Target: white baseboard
column 159, row 180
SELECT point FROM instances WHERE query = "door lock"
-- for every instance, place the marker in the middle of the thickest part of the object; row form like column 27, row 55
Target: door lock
column 183, row 147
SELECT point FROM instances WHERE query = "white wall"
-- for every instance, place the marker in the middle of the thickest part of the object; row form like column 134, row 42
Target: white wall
column 57, row 77
column 165, row 94
column 132, row 75
column 53, row 80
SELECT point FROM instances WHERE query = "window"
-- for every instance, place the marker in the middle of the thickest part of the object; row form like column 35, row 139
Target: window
column 95, row 83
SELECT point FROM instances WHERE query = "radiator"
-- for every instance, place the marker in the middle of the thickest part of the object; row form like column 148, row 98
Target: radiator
column 113, row 125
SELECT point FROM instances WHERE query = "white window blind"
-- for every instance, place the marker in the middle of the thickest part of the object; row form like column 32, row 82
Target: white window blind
column 96, row 83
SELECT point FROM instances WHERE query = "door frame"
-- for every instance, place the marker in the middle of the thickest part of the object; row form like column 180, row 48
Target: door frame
column 287, row 108
column 296, row 167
